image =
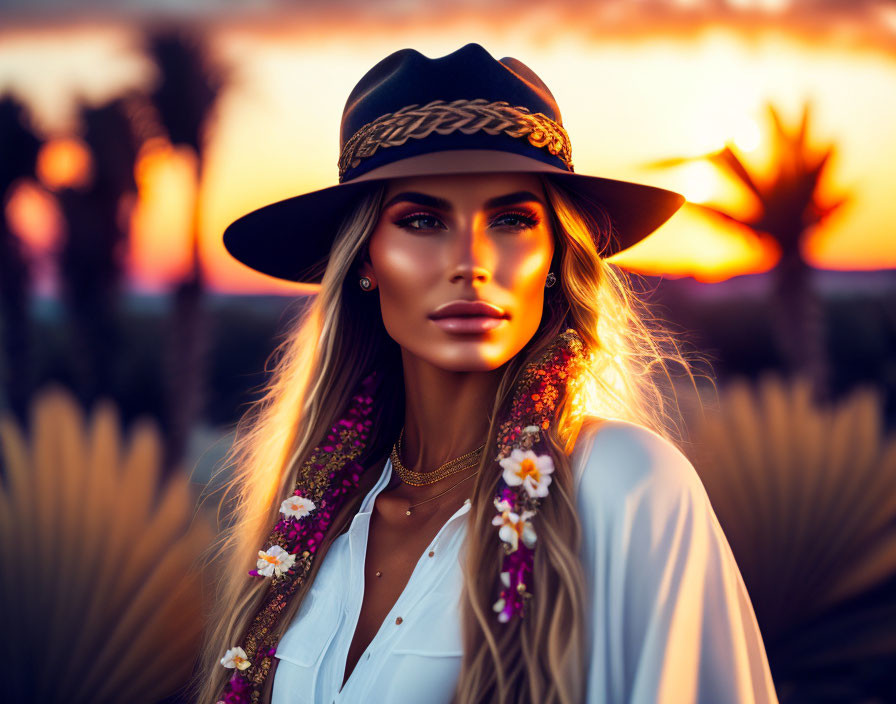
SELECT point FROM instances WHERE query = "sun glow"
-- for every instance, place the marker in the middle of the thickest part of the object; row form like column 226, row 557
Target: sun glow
column 698, row 181
column 627, row 102
column 161, row 221
column 64, row 163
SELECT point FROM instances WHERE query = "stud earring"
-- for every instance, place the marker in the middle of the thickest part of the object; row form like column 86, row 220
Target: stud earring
column 550, row 280
column 366, row 283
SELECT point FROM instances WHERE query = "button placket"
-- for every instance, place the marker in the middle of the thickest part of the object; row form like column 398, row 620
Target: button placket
column 358, row 534
column 405, row 604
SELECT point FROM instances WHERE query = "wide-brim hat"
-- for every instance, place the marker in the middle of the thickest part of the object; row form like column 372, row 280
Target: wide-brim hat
column 414, row 116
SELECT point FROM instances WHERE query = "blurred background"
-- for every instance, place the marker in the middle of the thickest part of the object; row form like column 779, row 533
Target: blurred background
column 132, row 133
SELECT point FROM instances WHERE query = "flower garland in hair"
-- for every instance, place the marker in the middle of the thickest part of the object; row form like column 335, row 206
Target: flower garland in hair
column 326, row 479
column 527, row 466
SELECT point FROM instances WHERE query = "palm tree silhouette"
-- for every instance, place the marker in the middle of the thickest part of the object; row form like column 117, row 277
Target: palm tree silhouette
column 183, row 100
column 91, row 257
column 789, row 212
column 19, row 147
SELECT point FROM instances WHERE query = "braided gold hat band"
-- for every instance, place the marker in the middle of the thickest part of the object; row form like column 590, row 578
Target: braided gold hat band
column 467, row 116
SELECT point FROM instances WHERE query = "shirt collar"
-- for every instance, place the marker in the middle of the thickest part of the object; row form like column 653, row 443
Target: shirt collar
column 367, row 504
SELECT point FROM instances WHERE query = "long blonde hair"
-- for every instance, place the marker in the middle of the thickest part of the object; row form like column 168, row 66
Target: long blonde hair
column 336, row 341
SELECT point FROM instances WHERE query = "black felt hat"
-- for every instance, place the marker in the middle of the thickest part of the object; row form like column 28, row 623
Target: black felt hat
column 415, row 116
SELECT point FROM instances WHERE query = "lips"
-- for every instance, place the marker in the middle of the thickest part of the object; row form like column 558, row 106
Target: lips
column 468, row 316
column 467, row 309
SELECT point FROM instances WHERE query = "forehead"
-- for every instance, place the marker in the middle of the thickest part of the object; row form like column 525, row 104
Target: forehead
column 467, row 190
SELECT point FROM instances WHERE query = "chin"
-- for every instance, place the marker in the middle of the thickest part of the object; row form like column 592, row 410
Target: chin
column 467, row 364
column 468, row 355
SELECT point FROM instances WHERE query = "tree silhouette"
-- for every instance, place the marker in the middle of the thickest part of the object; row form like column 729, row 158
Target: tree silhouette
column 18, row 151
column 789, row 211
column 183, row 100
column 91, row 256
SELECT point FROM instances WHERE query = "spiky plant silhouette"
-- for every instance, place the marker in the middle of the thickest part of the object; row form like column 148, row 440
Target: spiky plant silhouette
column 789, row 210
column 183, row 100
column 806, row 496
column 18, row 151
column 101, row 576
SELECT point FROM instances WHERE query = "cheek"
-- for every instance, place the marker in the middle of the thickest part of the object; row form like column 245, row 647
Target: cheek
column 529, row 271
column 523, row 273
column 404, row 270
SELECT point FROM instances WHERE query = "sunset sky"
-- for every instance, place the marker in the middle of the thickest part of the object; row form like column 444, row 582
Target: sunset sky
column 635, row 87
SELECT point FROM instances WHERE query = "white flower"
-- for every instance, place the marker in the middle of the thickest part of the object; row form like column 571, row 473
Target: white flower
column 297, row 507
column 531, row 470
column 531, row 429
column 513, row 526
column 274, row 561
column 236, row 658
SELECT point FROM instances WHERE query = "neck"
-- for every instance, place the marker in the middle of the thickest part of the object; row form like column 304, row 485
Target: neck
column 446, row 413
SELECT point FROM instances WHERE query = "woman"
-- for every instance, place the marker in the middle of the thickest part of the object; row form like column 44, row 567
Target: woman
column 461, row 449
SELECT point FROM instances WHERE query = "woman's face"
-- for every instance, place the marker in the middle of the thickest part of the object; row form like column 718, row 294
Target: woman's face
column 444, row 242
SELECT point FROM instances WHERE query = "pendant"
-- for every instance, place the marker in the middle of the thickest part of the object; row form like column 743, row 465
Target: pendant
column 408, row 512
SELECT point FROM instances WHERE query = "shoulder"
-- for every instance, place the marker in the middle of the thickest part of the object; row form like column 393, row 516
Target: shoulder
column 617, row 462
column 668, row 607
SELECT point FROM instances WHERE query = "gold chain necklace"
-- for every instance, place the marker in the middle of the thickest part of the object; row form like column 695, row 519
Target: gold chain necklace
column 408, row 512
column 379, row 573
column 413, row 478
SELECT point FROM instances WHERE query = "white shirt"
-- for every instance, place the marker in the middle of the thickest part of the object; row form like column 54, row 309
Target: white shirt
column 669, row 616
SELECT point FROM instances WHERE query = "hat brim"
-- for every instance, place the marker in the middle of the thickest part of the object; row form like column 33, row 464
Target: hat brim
column 291, row 239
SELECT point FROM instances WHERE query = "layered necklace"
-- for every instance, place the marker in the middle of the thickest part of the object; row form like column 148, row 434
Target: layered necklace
column 409, row 476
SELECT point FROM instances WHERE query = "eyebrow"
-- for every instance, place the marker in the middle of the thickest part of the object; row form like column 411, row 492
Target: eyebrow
column 419, row 199
column 442, row 204
column 513, row 199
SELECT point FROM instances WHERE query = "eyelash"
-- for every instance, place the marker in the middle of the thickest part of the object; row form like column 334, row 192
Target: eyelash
column 528, row 219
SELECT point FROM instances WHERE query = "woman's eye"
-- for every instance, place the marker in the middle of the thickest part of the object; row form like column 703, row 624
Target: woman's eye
column 419, row 221
column 510, row 220
column 515, row 221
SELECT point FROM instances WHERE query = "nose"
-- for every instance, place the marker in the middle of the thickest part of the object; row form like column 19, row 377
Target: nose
column 473, row 254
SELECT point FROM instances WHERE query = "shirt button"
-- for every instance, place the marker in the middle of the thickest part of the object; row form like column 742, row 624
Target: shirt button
column 398, row 621
column 431, row 553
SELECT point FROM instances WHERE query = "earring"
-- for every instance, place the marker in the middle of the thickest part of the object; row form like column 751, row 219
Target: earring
column 550, row 280
column 366, row 283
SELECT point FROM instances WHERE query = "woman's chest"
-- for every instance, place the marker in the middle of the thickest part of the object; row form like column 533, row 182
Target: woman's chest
column 394, row 548
column 415, row 653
